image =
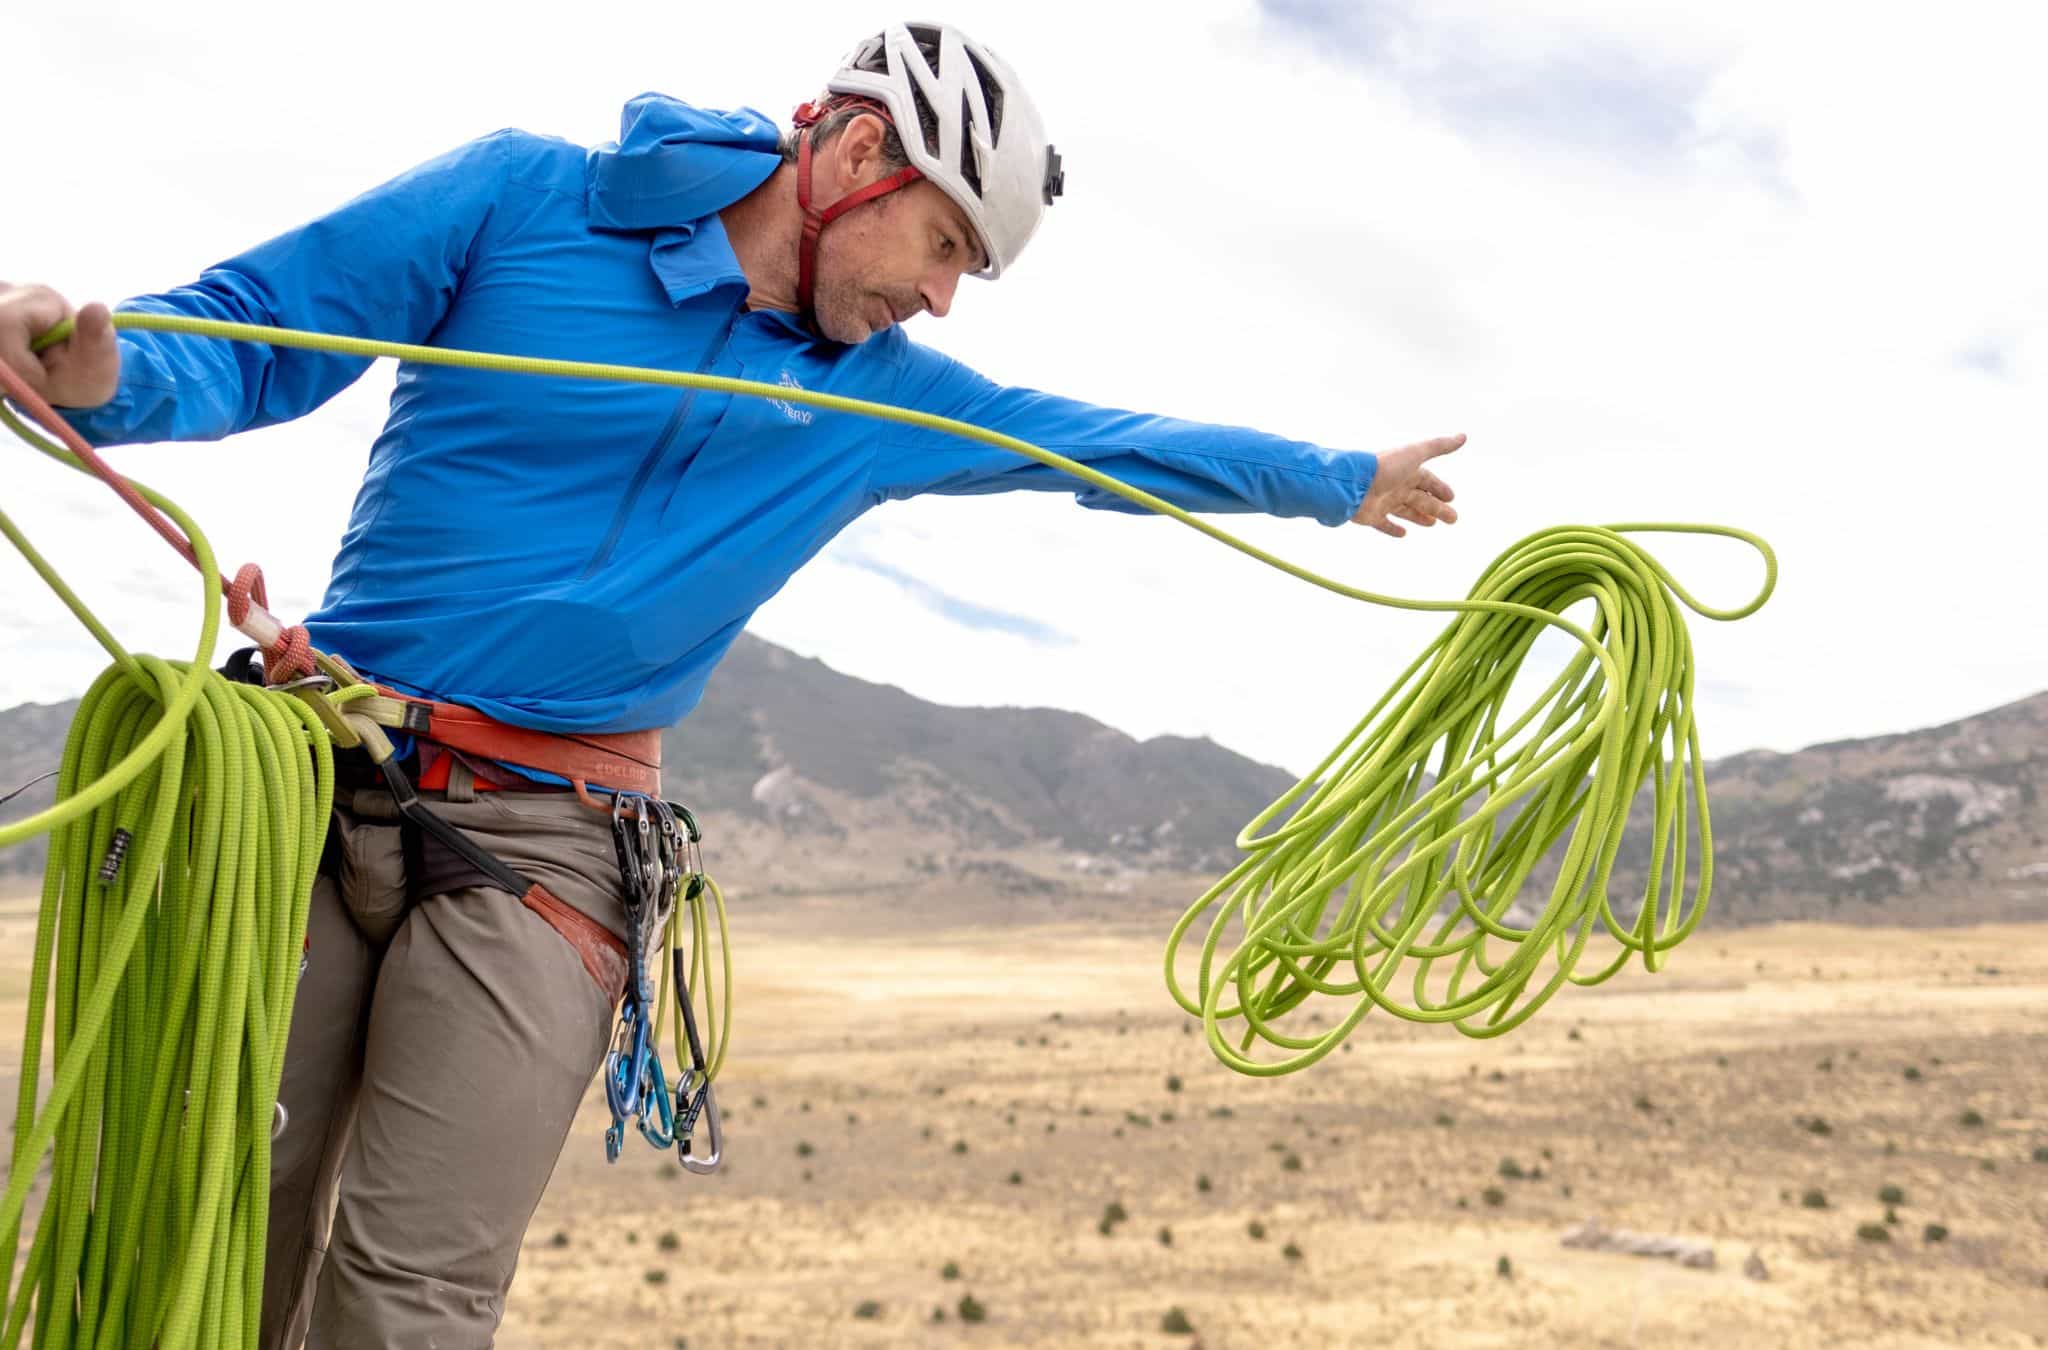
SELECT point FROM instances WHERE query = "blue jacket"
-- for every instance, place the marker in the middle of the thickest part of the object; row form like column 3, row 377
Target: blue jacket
column 577, row 556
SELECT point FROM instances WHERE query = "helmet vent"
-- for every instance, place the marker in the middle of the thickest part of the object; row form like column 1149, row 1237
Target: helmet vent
column 927, row 40
column 927, row 119
column 992, row 95
column 969, row 168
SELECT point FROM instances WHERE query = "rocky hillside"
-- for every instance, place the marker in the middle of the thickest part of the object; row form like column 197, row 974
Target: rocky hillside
column 809, row 780
column 1943, row 825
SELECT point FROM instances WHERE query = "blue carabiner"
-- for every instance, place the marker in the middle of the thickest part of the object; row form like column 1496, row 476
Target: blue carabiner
column 654, row 1093
column 625, row 1076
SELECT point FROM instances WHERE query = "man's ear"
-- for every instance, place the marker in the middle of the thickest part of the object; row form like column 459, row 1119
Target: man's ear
column 859, row 151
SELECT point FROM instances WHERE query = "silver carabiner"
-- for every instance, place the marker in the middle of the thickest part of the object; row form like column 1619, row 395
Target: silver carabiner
column 708, row 1164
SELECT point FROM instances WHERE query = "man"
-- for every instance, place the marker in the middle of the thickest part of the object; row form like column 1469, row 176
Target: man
column 574, row 557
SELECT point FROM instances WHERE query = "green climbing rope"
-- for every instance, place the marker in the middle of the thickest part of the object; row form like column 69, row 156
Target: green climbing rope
column 188, row 825
column 1403, row 854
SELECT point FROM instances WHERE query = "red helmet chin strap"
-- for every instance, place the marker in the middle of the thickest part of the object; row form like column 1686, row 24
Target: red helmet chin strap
column 815, row 220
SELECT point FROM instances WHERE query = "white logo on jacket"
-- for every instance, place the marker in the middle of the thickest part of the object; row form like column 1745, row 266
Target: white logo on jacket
column 800, row 416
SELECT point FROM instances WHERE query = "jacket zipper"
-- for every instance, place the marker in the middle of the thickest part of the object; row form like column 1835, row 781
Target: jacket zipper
column 659, row 451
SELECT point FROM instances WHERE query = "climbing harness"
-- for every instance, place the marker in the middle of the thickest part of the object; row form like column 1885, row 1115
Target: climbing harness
column 1401, row 856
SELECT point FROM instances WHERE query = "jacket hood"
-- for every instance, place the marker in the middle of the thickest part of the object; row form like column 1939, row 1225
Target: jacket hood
column 674, row 164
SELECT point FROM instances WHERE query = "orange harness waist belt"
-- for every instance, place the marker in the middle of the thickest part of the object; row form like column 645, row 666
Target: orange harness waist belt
column 624, row 761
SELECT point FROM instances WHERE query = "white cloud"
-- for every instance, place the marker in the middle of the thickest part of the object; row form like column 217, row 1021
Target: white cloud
column 1764, row 314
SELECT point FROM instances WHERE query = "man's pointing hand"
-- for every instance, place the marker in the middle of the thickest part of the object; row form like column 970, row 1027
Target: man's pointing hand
column 1405, row 489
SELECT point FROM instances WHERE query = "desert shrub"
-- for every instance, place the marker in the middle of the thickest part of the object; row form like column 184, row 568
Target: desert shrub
column 1494, row 1195
column 868, row 1310
column 1814, row 1198
column 1176, row 1323
column 1890, row 1195
column 1873, row 1232
column 970, row 1310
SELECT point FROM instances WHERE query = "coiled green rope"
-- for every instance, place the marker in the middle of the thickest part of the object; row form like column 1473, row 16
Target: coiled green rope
column 1423, row 826
column 164, row 971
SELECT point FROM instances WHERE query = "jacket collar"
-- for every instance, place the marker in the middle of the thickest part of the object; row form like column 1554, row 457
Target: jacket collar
column 673, row 168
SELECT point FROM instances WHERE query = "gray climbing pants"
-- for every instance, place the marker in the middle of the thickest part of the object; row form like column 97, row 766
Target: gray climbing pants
column 443, row 1037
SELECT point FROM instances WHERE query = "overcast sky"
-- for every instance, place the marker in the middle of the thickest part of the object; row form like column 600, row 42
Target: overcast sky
column 1775, row 265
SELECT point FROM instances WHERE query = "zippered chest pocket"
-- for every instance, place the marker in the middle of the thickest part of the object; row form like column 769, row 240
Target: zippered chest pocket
column 657, row 462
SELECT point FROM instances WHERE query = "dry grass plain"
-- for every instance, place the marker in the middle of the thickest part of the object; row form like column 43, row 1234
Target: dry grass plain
column 885, row 1086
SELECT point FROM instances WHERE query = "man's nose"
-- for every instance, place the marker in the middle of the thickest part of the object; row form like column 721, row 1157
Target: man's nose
column 937, row 291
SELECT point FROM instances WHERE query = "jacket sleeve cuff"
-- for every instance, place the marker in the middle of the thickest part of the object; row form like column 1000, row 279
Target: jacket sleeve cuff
column 1349, row 493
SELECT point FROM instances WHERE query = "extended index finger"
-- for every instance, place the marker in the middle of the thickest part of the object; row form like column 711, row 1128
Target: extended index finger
column 1442, row 445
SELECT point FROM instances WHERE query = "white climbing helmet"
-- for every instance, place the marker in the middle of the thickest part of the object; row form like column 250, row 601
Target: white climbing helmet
column 992, row 158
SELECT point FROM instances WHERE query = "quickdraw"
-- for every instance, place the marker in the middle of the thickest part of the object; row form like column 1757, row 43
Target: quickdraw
column 660, row 865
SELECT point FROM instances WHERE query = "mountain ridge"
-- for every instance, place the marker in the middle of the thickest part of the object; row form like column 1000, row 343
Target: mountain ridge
column 813, row 782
